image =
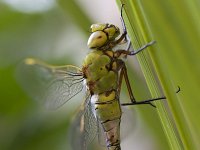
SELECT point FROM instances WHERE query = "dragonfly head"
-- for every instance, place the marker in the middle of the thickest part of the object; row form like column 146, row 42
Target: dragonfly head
column 101, row 34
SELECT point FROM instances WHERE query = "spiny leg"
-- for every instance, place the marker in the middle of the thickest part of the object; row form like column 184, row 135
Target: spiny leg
column 148, row 101
column 128, row 43
column 122, row 19
column 121, row 75
column 144, row 102
column 124, row 34
column 126, row 38
column 118, row 53
column 142, row 48
column 133, row 101
column 124, row 70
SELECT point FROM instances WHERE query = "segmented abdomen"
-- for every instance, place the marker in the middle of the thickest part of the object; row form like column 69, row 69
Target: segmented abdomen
column 108, row 112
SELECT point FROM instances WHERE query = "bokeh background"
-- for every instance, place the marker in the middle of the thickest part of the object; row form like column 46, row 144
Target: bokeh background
column 56, row 31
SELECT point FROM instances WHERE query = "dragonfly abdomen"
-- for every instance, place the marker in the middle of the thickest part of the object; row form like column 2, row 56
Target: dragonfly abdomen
column 108, row 112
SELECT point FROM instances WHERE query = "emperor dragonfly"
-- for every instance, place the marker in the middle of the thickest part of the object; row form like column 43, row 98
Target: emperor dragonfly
column 102, row 73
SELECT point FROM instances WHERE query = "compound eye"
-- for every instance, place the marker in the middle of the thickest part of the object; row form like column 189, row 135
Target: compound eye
column 97, row 39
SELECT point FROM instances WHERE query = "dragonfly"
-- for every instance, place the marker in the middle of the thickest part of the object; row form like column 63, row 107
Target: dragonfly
column 102, row 73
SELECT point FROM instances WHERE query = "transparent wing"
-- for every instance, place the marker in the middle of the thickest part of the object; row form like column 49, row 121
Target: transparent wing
column 84, row 127
column 101, row 135
column 52, row 85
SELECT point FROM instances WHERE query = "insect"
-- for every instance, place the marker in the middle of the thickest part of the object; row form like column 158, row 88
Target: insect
column 102, row 73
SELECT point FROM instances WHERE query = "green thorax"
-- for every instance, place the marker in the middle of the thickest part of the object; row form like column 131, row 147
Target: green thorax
column 99, row 71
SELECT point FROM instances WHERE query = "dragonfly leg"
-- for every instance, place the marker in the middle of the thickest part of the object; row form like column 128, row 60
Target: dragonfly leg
column 126, row 52
column 124, row 70
column 148, row 101
column 124, row 74
column 142, row 48
column 126, row 38
column 122, row 20
column 124, row 34
column 144, row 102
column 132, row 98
column 133, row 101
column 128, row 43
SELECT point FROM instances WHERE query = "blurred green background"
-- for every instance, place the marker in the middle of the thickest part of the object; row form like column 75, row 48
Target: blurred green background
column 56, row 31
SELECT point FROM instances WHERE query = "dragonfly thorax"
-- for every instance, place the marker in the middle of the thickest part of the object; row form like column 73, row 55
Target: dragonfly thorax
column 99, row 72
